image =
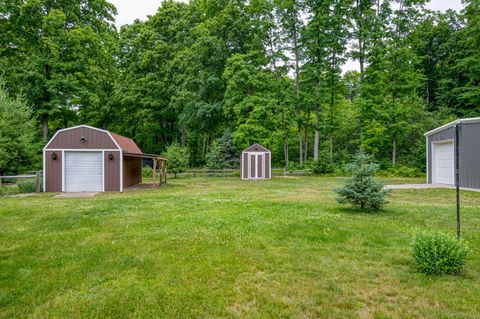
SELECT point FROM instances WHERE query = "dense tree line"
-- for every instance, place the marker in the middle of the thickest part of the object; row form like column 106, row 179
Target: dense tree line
column 210, row 73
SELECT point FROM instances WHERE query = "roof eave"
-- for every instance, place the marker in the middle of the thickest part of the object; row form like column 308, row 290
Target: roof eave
column 143, row 155
column 452, row 124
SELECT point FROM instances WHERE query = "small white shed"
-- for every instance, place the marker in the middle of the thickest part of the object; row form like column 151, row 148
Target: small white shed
column 255, row 163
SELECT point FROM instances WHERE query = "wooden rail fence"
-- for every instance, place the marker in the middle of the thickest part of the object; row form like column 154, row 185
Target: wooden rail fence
column 232, row 172
column 37, row 176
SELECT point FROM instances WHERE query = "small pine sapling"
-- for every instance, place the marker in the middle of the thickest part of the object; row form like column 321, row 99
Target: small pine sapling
column 362, row 190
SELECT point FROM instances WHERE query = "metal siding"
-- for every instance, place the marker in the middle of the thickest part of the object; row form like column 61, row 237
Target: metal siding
column 53, row 172
column 83, row 171
column 70, row 139
column 111, row 176
column 469, row 153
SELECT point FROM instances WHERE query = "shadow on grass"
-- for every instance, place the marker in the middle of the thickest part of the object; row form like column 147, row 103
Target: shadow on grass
column 349, row 210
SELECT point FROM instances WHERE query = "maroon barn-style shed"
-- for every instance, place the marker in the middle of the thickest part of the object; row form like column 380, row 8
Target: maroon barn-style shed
column 88, row 159
column 255, row 163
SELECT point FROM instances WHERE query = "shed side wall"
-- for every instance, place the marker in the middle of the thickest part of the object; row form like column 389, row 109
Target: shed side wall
column 132, row 171
column 70, row 139
column 112, row 172
column 469, row 153
column 53, row 172
column 244, row 162
column 267, row 165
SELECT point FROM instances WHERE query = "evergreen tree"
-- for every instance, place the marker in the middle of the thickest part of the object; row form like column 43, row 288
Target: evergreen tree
column 362, row 189
column 222, row 153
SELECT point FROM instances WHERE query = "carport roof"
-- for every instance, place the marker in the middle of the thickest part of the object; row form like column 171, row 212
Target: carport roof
column 452, row 124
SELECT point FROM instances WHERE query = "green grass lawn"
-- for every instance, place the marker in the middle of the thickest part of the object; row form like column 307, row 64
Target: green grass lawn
column 221, row 247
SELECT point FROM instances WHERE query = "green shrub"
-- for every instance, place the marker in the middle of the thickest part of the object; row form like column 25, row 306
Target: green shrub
column 323, row 165
column 437, row 253
column 26, row 186
column 362, row 189
column 8, row 190
column 177, row 159
column 147, row 171
column 401, row 171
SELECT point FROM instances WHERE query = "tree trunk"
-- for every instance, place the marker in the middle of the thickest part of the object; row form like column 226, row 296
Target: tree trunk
column 47, row 69
column 204, row 145
column 297, row 89
column 285, row 151
column 305, row 157
column 330, row 137
column 183, row 137
column 332, row 103
column 394, row 151
column 361, row 49
column 45, row 128
column 316, row 145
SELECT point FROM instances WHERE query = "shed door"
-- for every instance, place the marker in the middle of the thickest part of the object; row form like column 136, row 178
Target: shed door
column 83, row 172
column 253, row 166
column 260, row 166
column 444, row 163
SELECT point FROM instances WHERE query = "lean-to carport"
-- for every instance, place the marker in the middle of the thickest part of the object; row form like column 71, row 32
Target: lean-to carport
column 159, row 163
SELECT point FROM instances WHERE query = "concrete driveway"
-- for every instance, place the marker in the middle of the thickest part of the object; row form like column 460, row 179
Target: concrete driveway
column 426, row 186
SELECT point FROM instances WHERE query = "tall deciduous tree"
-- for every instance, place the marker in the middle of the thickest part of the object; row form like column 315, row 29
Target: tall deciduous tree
column 291, row 23
column 19, row 147
column 58, row 53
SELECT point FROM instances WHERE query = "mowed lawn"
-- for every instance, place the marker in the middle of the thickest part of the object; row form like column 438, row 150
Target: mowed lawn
column 226, row 248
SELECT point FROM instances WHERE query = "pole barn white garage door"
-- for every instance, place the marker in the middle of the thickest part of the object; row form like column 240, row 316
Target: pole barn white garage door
column 83, row 172
column 444, row 163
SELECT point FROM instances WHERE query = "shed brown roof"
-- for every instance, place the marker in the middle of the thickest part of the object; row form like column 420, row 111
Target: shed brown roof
column 126, row 144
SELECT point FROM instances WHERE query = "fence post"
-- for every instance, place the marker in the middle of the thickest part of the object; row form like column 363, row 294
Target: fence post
column 37, row 182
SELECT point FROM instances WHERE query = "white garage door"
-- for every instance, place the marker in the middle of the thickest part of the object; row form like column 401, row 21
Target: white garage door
column 444, row 163
column 83, row 172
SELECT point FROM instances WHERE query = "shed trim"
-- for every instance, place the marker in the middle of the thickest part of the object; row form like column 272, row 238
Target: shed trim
column 264, row 149
column 452, row 124
column 44, row 175
column 121, row 170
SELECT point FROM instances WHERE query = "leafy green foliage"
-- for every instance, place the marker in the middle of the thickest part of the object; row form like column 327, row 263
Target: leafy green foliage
column 177, row 157
column 59, row 54
column 362, row 190
column 267, row 71
column 26, row 186
column 19, row 147
column 436, row 253
column 147, row 171
column 323, row 165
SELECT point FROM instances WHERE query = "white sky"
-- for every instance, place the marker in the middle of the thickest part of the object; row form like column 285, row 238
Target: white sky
column 129, row 10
